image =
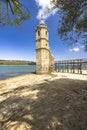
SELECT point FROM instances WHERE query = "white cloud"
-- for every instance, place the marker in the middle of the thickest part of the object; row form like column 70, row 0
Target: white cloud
column 82, row 46
column 75, row 49
column 45, row 9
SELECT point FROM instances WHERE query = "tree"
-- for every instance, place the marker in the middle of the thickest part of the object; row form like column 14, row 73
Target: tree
column 12, row 12
column 73, row 25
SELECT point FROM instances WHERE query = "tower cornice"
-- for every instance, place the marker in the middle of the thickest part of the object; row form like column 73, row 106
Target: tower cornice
column 42, row 48
column 42, row 39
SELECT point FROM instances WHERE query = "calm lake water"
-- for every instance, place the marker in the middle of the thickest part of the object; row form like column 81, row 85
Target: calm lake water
column 12, row 71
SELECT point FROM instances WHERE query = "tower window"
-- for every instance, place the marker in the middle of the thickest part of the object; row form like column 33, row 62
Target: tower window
column 46, row 33
column 38, row 33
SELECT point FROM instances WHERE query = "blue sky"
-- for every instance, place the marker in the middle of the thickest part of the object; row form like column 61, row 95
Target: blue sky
column 18, row 43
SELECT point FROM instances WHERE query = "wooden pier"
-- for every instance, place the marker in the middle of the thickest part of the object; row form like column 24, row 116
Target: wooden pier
column 72, row 66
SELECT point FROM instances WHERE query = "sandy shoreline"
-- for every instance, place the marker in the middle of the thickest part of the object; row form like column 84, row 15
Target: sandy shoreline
column 55, row 74
column 34, row 79
column 44, row 102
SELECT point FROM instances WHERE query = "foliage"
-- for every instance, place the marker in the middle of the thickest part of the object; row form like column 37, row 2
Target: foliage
column 12, row 12
column 73, row 27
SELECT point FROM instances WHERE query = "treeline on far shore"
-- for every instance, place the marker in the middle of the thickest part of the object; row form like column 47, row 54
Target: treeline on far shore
column 16, row 62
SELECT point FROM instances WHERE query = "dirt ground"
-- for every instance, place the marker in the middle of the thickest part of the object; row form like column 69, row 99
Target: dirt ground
column 57, row 104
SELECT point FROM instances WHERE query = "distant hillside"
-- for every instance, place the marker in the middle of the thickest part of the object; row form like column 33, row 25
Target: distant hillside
column 16, row 62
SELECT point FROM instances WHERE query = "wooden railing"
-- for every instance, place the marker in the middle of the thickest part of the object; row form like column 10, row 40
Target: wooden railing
column 72, row 66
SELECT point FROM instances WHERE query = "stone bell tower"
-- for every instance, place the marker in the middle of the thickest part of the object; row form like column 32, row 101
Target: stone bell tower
column 44, row 59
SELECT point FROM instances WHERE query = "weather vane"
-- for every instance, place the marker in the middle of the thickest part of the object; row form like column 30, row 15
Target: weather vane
column 42, row 18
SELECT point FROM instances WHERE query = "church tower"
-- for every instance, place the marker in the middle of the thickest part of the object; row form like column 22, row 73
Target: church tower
column 43, row 54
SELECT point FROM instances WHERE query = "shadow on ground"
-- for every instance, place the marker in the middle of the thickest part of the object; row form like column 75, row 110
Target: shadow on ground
column 57, row 105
